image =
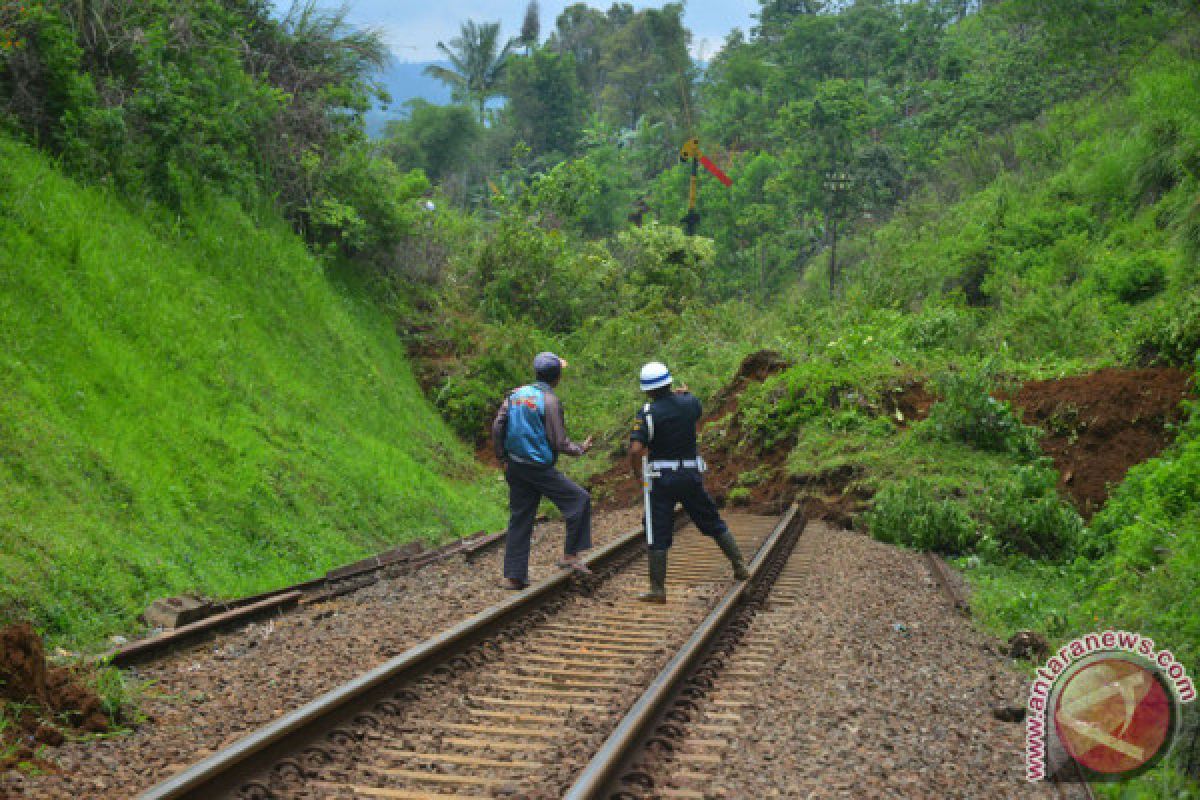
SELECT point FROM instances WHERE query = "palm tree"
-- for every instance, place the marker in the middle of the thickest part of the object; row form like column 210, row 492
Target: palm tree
column 476, row 63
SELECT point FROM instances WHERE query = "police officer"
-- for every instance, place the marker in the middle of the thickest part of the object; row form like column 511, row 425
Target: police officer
column 663, row 443
column 528, row 435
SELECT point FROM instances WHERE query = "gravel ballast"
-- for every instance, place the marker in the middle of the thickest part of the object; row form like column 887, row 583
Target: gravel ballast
column 207, row 696
column 868, row 685
column 857, row 680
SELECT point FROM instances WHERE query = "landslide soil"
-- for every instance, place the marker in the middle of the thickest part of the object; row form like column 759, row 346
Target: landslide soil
column 1100, row 424
column 45, row 703
column 1096, row 425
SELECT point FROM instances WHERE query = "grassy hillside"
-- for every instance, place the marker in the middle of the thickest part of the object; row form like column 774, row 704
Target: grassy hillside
column 1058, row 247
column 1083, row 253
column 193, row 403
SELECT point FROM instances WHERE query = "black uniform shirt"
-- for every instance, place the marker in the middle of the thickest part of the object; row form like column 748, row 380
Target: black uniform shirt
column 674, row 417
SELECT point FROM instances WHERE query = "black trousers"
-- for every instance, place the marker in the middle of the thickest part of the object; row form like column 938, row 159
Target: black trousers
column 527, row 485
column 685, row 486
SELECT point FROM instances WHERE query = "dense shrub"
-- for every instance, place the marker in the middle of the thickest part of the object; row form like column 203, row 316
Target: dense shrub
column 1020, row 514
column 967, row 412
column 1170, row 334
column 1149, row 539
column 524, row 272
column 1134, row 278
column 466, row 402
column 575, row 193
column 1024, row 514
column 912, row 514
column 470, row 396
column 662, row 267
column 362, row 204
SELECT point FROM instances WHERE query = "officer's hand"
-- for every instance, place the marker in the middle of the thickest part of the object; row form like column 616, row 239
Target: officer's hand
column 587, row 444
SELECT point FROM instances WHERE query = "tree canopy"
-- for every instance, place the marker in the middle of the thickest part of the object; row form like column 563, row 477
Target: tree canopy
column 478, row 61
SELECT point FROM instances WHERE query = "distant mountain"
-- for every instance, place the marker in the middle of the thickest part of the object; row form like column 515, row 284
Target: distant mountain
column 405, row 80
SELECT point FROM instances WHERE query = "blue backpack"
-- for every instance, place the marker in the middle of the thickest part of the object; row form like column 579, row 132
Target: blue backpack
column 525, row 439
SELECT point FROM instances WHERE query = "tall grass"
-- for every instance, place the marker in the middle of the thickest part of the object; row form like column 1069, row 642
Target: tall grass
column 191, row 403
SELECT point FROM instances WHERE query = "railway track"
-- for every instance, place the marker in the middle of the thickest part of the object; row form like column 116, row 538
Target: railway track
column 692, row 717
column 675, row 754
column 512, row 703
column 335, row 583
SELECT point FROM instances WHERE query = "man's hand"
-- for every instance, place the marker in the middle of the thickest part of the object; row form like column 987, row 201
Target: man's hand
column 587, row 444
column 636, row 450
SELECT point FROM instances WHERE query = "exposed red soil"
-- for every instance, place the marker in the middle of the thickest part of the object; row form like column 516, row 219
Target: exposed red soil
column 755, row 368
column 832, row 496
column 911, row 399
column 1100, row 424
column 1096, row 427
column 47, row 697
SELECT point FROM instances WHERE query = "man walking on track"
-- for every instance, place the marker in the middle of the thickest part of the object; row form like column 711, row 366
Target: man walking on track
column 662, row 452
column 529, row 433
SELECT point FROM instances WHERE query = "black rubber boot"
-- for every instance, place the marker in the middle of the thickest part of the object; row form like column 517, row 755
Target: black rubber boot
column 729, row 547
column 657, row 561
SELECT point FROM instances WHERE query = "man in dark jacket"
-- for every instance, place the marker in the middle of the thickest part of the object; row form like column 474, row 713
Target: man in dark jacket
column 663, row 452
column 529, row 433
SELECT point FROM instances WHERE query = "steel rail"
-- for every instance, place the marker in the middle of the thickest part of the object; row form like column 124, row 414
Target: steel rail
column 223, row 772
column 338, row 581
column 639, row 723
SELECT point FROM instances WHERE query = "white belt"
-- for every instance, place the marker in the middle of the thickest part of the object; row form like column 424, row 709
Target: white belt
column 689, row 463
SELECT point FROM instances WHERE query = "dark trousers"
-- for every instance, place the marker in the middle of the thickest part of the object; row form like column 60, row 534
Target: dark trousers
column 527, row 485
column 684, row 486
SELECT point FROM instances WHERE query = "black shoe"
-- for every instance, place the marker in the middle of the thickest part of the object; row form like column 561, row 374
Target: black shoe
column 657, row 563
column 513, row 584
column 729, row 547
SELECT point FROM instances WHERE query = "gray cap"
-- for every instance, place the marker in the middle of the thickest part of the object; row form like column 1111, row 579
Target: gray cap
column 547, row 362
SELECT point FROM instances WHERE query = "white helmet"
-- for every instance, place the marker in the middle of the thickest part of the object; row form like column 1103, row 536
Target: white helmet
column 655, row 376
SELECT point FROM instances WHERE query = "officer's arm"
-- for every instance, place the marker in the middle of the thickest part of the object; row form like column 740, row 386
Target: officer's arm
column 638, row 439
column 636, row 451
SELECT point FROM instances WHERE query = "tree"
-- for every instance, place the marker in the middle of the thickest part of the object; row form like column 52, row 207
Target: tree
column 645, row 62
column 545, row 104
column 531, row 28
column 477, row 64
column 581, row 31
column 436, row 139
column 776, row 15
column 321, row 63
column 870, row 30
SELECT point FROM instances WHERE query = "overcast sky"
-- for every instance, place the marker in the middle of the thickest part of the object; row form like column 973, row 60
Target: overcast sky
column 414, row 27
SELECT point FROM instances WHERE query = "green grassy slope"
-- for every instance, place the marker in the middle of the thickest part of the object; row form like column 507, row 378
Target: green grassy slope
column 1074, row 237
column 192, row 404
column 1058, row 247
